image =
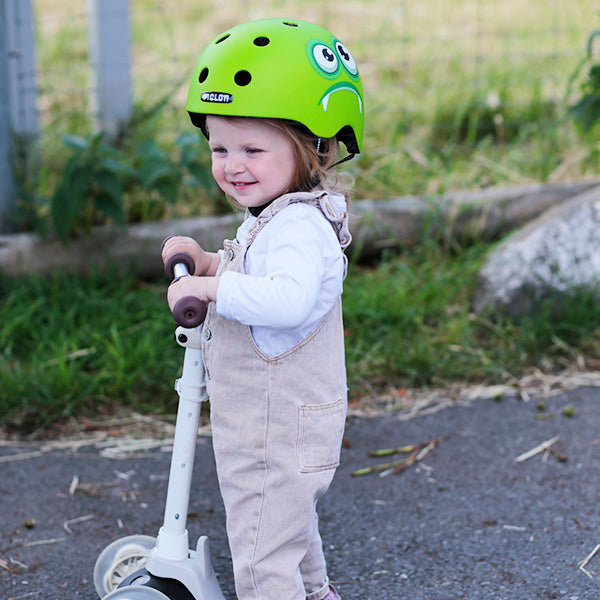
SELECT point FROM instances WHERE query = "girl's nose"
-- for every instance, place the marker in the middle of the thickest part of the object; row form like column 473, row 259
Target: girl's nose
column 234, row 164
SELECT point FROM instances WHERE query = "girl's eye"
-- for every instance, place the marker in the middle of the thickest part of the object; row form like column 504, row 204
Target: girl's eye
column 253, row 150
column 218, row 150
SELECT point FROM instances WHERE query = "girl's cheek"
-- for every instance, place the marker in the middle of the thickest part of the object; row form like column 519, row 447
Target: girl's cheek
column 219, row 176
column 216, row 171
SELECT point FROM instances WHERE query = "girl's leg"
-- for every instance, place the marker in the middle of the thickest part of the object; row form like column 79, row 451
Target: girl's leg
column 271, row 517
column 312, row 567
column 274, row 545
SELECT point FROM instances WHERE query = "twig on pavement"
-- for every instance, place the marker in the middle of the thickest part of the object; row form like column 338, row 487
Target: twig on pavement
column 76, row 520
column 586, row 560
column 417, row 452
column 44, row 542
column 539, row 448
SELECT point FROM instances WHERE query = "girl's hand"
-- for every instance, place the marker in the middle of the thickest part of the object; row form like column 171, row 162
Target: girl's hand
column 203, row 260
column 204, row 288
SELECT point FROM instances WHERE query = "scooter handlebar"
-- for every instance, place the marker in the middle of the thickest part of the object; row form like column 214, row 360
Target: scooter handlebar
column 175, row 262
column 188, row 311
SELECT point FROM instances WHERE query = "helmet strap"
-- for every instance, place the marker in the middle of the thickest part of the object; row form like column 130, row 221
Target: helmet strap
column 318, row 145
column 345, row 159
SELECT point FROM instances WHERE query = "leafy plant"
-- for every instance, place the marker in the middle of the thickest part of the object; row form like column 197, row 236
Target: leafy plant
column 586, row 111
column 91, row 182
column 100, row 182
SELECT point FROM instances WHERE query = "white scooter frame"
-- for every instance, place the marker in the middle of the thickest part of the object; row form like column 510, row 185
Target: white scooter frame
column 144, row 568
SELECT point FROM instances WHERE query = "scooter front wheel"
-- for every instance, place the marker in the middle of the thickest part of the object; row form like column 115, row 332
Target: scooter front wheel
column 119, row 560
column 136, row 593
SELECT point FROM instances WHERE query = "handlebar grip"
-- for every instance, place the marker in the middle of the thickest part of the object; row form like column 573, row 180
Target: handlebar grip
column 188, row 311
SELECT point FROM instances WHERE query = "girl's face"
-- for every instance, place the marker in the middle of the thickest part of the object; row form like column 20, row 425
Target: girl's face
column 251, row 161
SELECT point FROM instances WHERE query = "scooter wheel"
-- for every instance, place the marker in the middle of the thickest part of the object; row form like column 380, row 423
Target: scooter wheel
column 136, row 593
column 120, row 559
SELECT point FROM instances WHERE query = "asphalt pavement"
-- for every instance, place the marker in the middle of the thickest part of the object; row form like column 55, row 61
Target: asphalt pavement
column 464, row 520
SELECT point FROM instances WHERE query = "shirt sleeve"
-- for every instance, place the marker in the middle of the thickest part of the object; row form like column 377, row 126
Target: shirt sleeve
column 290, row 252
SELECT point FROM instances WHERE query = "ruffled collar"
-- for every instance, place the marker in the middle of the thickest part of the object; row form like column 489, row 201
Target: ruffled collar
column 332, row 205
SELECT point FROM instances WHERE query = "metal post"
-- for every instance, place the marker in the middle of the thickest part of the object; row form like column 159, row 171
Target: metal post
column 7, row 183
column 18, row 96
column 20, row 40
column 110, row 43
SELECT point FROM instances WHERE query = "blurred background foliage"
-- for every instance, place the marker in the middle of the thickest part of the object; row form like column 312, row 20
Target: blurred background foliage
column 459, row 94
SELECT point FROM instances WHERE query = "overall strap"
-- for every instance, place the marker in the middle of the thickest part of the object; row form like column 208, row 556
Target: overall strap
column 320, row 199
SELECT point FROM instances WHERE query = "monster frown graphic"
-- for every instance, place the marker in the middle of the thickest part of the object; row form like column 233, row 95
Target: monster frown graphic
column 285, row 69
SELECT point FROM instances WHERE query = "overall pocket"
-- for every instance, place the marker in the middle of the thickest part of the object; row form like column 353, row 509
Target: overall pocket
column 320, row 432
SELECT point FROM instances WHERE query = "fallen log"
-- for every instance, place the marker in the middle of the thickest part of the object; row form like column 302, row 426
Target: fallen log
column 375, row 224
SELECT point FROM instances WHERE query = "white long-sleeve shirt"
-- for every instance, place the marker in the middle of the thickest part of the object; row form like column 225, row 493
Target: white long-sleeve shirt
column 294, row 273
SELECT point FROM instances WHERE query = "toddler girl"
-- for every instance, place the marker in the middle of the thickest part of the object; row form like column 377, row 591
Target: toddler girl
column 274, row 97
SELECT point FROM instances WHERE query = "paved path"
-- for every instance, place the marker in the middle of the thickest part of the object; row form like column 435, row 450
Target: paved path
column 465, row 522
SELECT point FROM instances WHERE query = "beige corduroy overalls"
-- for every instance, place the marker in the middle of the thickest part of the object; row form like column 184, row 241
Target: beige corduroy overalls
column 277, row 426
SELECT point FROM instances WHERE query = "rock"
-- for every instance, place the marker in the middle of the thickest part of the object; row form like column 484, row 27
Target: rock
column 553, row 254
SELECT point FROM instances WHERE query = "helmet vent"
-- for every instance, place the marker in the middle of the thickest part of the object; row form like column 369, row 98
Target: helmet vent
column 290, row 24
column 262, row 41
column 203, row 75
column 242, row 78
column 223, row 38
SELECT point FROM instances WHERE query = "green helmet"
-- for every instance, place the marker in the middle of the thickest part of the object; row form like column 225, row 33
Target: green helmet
column 283, row 69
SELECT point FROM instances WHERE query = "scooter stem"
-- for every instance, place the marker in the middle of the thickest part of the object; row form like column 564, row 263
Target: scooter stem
column 172, row 542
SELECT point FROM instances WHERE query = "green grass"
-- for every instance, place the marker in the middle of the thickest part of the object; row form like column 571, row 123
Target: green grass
column 409, row 324
column 75, row 345
column 90, row 345
column 460, row 95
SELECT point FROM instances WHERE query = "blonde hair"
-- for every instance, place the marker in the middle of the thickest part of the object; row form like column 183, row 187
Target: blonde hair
column 314, row 159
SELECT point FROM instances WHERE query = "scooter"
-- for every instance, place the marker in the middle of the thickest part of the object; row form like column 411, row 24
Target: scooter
column 141, row 567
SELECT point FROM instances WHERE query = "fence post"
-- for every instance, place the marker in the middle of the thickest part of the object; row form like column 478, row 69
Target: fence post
column 18, row 96
column 20, row 40
column 110, row 41
column 7, row 183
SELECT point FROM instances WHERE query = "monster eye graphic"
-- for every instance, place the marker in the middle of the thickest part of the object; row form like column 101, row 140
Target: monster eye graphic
column 325, row 58
column 346, row 58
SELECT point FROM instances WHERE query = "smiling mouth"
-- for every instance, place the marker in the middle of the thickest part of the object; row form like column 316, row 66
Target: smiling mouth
column 339, row 87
